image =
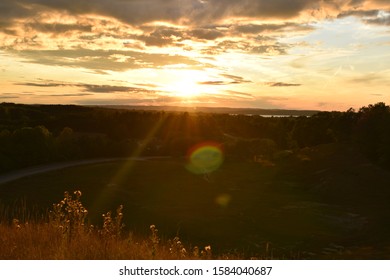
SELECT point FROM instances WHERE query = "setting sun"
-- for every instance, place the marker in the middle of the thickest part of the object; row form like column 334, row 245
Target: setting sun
column 185, row 88
column 187, row 84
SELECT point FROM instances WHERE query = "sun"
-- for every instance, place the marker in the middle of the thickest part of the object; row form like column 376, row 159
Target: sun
column 186, row 84
column 186, row 89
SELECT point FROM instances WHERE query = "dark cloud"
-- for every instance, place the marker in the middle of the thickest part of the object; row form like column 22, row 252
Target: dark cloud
column 58, row 27
column 25, row 42
column 8, row 96
column 265, row 28
column 359, row 13
column 101, row 60
column 377, row 17
column 256, row 28
column 114, row 89
column 138, row 12
column 11, row 10
column 381, row 2
column 206, row 34
column 236, row 79
column 263, row 48
column 88, row 88
column 232, row 79
column 11, row 32
column 131, row 11
column 70, row 95
column 166, row 36
column 161, row 36
column 159, row 100
column 382, row 20
column 49, row 84
column 274, row 49
column 217, row 9
column 213, row 83
column 281, row 84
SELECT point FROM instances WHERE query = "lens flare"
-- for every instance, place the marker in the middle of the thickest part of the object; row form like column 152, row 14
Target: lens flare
column 205, row 158
column 223, row 200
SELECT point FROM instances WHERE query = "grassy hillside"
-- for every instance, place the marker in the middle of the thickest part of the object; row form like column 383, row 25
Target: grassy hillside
column 322, row 202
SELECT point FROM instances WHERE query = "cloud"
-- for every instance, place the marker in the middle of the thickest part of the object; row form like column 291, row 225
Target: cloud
column 377, row 17
column 69, row 95
column 192, row 12
column 58, row 27
column 274, row 49
column 217, row 9
column 370, row 78
column 138, row 25
column 236, row 79
column 11, row 10
column 158, row 101
column 49, row 84
column 206, row 34
column 359, row 13
column 134, row 12
column 281, row 84
column 380, row 20
column 92, row 88
column 272, row 28
column 248, row 46
column 231, row 79
column 139, row 12
column 239, row 94
column 114, row 89
column 161, row 36
column 8, row 96
column 213, row 83
column 110, row 60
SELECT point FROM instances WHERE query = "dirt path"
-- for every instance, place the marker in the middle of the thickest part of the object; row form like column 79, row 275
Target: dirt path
column 15, row 175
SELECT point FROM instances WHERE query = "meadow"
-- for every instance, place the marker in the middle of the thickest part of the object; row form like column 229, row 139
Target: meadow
column 313, row 204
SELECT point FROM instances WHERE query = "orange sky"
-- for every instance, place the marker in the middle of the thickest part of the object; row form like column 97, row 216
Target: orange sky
column 296, row 54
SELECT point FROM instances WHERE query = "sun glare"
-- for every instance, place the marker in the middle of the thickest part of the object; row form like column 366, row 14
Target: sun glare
column 186, row 84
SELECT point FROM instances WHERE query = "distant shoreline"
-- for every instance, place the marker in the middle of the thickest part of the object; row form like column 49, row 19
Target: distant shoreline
column 218, row 110
column 206, row 110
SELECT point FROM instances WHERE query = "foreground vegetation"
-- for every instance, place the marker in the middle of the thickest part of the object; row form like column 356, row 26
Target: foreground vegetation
column 65, row 234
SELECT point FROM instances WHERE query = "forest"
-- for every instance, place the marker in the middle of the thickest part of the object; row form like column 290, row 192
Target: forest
column 40, row 134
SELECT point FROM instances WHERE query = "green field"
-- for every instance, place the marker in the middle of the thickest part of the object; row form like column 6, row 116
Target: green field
column 297, row 208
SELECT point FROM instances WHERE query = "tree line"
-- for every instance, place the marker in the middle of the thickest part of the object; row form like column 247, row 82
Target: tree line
column 38, row 134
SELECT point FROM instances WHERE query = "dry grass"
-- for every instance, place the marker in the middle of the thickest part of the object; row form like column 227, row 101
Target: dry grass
column 65, row 235
column 45, row 242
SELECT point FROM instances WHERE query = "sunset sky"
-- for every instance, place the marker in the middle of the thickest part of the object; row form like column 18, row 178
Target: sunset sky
column 288, row 54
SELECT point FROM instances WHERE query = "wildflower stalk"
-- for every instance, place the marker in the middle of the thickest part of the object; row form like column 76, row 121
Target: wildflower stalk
column 155, row 240
column 69, row 215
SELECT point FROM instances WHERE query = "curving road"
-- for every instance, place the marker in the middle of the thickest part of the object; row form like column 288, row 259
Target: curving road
column 15, row 175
